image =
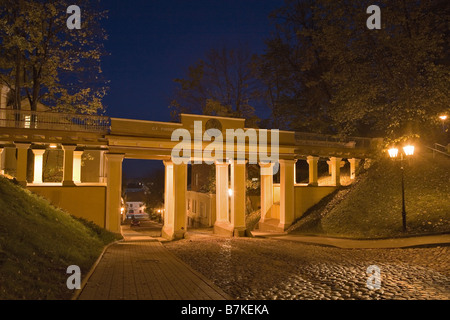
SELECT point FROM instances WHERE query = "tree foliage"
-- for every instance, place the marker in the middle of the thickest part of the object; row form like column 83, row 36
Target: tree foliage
column 44, row 61
column 222, row 84
column 327, row 71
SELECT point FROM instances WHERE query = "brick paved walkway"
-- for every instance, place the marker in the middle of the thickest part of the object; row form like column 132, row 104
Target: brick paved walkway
column 140, row 268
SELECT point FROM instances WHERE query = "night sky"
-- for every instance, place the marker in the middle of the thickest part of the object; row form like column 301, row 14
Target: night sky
column 152, row 42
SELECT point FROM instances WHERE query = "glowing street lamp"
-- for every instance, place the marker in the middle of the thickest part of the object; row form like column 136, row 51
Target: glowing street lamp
column 409, row 150
column 443, row 118
column 393, row 153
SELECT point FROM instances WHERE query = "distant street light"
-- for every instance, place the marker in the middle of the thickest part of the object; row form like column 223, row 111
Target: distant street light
column 393, row 153
column 443, row 118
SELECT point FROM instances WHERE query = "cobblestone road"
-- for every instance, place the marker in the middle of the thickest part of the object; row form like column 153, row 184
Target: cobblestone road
column 250, row 268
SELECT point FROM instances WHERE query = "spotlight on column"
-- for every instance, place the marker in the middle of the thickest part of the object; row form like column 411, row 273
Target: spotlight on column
column 230, row 192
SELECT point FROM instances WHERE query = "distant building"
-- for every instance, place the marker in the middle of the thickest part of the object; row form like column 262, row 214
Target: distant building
column 135, row 204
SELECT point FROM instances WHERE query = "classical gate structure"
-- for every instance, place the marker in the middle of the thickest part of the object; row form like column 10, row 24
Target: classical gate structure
column 90, row 150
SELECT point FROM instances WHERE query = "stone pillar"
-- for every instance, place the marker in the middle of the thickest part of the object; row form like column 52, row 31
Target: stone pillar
column 354, row 164
column 38, row 165
column 180, row 207
column 222, row 207
column 313, row 170
column 266, row 190
column 77, row 166
column 102, row 178
column 68, row 165
column 175, row 201
column 2, row 170
column 238, row 200
column 3, row 95
column 22, row 158
column 113, row 191
column 287, row 202
column 295, row 171
column 168, row 199
column 335, row 171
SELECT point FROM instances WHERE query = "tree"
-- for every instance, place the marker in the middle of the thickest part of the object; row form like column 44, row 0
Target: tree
column 222, row 84
column 44, row 61
column 394, row 80
column 154, row 198
column 292, row 71
column 337, row 75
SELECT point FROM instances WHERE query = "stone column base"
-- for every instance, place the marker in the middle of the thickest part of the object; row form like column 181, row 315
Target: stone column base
column 284, row 226
column 169, row 234
column 227, row 229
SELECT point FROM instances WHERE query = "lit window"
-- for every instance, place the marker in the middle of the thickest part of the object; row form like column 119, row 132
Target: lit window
column 27, row 122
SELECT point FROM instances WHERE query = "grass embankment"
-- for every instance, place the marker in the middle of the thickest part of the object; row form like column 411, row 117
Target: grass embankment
column 37, row 244
column 371, row 208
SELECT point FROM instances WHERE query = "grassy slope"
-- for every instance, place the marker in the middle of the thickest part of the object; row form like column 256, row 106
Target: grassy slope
column 372, row 207
column 37, row 244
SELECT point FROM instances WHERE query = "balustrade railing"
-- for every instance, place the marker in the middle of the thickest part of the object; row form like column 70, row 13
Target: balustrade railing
column 306, row 138
column 11, row 118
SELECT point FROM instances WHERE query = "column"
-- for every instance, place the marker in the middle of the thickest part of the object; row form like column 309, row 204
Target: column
column 2, row 170
column 287, row 202
column 3, row 95
column 113, row 191
column 77, row 166
column 175, row 219
column 102, row 178
column 38, row 165
column 335, row 171
column 180, row 208
column 22, row 158
column 266, row 190
column 238, row 187
column 222, row 207
column 68, row 165
column 168, row 197
column 313, row 170
column 354, row 166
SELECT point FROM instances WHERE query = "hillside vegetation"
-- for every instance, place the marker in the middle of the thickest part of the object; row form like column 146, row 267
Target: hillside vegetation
column 371, row 208
column 37, row 244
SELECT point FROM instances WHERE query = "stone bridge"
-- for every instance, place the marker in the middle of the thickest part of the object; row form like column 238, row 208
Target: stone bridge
column 90, row 150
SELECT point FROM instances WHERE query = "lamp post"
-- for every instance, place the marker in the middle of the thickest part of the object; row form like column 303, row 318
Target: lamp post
column 393, row 153
column 443, row 118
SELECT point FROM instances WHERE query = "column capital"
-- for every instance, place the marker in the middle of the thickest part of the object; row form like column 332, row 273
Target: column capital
column 312, row 158
column 38, row 152
column 221, row 163
column 266, row 164
column 20, row 145
column 68, row 147
column 287, row 161
column 238, row 161
column 166, row 162
column 115, row 156
column 335, row 159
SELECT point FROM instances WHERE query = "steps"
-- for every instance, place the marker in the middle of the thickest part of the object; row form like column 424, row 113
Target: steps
column 270, row 225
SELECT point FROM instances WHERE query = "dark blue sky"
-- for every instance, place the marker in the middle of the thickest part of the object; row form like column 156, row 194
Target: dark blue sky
column 152, row 42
